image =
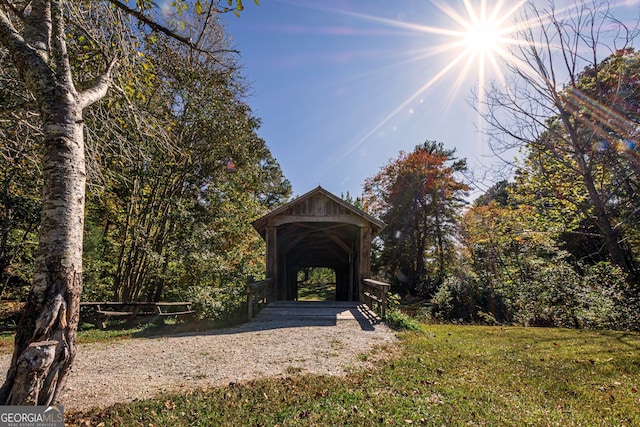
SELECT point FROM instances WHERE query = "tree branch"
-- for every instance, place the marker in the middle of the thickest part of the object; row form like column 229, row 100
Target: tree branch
column 29, row 61
column 9, row 36
column 59, row 44
column 140, row 16
column 152, row 24
column 19, row 13
column 99, row 89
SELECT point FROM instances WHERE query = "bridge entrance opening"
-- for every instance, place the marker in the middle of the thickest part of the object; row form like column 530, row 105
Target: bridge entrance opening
column 316, row 284
column 318, row 231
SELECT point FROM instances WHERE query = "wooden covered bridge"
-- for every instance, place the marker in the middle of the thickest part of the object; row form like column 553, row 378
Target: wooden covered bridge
column 318, row 229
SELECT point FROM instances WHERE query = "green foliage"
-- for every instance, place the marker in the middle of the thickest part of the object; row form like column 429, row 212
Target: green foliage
column 583, row 168
column 548, row 298
column 464, row 299
column 218, row 303
column 552, row 294
column 316, row 284
column 177, row 171
column 393, row 301
column 357, row 202
column 513, row 270
column 176, row 206
column 607, row 300
column 399, row 321
column 20, row 183
column 396, row 319
column 445, row 300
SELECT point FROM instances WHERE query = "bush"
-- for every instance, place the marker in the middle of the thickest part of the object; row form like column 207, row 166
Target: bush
column 607, row 299
column 464, row 298
column 399, row 321
column 548, row 293
column 97, row 281
column 218, row 303
column 444, row 302
column 549, row 298
column 395, row 318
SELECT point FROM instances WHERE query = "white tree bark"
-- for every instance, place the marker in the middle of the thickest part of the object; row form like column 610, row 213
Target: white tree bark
column 45, row 341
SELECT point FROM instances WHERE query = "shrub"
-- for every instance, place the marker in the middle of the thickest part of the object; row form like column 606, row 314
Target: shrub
column 464, row 298
column 444, row 301
column 607, row 299
column 542, row 292
column 549, row 298
column 218, row 303
column 395, row 318
column 399, row 321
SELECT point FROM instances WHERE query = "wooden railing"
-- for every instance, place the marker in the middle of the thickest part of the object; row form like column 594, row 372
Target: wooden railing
column 259, row 294
column 374, row 294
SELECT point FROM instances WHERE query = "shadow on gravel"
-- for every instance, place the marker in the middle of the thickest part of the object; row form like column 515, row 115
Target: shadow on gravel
column 276, row 315
column 299, row 314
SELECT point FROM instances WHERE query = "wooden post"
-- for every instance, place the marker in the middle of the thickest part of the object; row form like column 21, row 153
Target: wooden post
column 271, row 238
column 383, row 297
column 352, row 282
column 249, row 302
column 250, row 280
column 364, row 255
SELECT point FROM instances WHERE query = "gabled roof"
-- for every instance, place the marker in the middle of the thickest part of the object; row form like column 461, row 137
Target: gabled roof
column 261, row 223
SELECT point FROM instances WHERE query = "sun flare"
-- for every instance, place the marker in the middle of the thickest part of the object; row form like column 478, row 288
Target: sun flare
column 483, row 38
column 482, row 35
column 473, row 40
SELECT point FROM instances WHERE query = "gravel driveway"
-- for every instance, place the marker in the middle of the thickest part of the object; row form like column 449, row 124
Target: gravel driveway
column 104, row 374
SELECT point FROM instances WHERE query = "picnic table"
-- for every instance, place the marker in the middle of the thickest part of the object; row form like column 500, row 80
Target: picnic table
column 102, row 311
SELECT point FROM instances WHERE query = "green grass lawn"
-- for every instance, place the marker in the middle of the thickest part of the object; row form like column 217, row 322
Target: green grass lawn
column 317, row 292
column 443, row 376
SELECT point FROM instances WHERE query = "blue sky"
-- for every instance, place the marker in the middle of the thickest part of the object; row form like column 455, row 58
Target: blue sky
column 341, row 86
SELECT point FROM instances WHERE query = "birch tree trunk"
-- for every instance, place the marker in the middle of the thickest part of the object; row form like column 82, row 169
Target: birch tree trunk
column 45, row 343
column 52, row 310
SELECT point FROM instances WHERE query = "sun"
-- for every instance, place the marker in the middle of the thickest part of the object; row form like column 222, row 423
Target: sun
column 475, row 39
column 481, row 36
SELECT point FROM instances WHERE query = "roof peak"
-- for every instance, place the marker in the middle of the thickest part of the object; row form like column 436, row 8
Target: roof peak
column 260, row 223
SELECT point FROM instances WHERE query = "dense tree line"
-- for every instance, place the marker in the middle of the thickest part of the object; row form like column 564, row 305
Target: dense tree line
column 189, row 199
column 570, row 254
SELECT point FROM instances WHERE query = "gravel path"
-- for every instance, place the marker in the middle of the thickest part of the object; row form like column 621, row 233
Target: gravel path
column 104, row 374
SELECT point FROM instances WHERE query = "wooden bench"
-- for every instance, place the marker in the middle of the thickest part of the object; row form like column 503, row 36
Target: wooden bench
column 180, row 309
column 105, row 310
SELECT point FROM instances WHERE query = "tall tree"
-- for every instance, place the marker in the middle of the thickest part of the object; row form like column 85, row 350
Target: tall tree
column 35, row 35
column 419, row 197
column 213, row 165
column 563, row 115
